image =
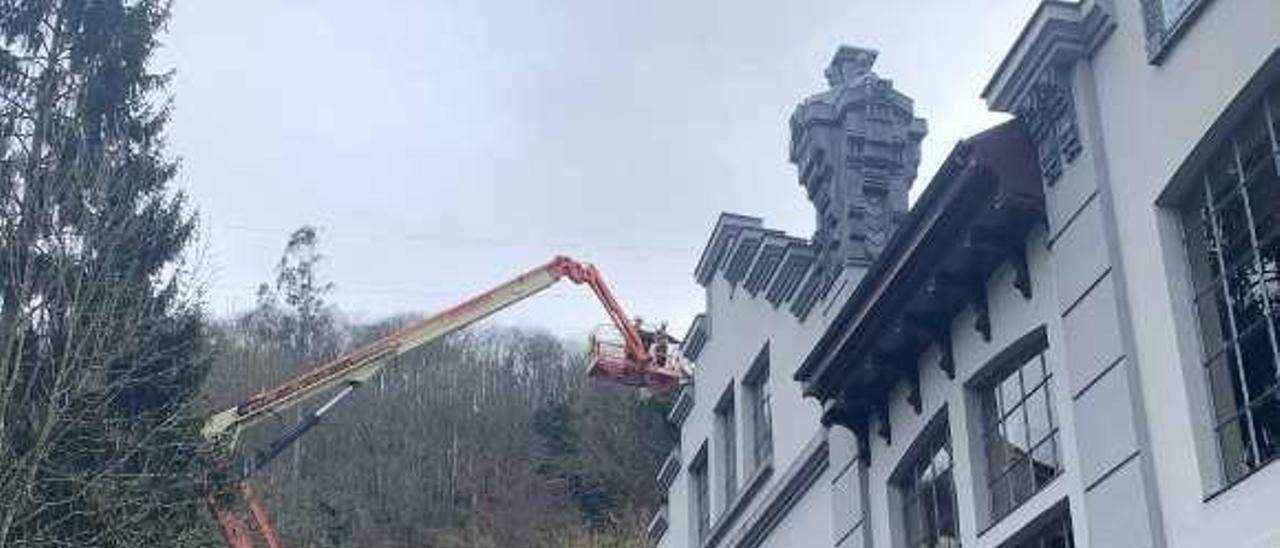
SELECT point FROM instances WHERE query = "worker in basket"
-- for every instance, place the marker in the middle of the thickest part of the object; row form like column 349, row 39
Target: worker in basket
column 657, row 342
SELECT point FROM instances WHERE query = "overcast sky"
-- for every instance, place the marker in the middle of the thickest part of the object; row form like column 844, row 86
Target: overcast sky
column 445, row 146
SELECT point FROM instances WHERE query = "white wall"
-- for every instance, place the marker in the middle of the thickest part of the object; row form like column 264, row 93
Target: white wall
column 1012, row 317
column 740, row 326
column 1107, row 285
column 1151, row 117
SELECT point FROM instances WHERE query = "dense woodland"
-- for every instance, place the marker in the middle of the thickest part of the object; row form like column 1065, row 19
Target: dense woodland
column 109, row 362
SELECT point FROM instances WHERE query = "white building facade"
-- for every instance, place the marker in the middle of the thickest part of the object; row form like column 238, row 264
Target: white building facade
column 1072, row 338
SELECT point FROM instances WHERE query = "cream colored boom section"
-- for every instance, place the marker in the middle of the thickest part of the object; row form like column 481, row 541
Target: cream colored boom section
column 363, row 363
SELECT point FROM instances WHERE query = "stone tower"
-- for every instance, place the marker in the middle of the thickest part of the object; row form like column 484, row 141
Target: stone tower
column 856, row 147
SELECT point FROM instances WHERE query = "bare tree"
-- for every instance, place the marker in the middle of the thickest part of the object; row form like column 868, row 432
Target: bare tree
column 490, row 437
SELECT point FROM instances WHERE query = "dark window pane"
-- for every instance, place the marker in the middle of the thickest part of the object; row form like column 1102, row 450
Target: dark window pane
column 1246, row 294
column 1266, row 423
column 1254, row 142
column 1264, row 200
column 911, row 522
column 1270, row 280
column 1222, row 173
column 928, row 497
column 929, row 514
column 1258, row 361
column 1274, row 101
column 1202, row 248
column 946, row 497
column 1233, row 230
column 1056, row 537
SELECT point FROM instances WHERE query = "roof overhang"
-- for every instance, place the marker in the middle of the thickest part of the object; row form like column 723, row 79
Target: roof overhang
column 1058, row 32
column 972, row 218
column 721, row 243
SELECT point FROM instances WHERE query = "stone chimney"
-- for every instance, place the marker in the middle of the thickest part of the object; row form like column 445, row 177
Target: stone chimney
column 856, row 147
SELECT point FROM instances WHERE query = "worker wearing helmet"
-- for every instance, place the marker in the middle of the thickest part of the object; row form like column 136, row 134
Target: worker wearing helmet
column 661, row 344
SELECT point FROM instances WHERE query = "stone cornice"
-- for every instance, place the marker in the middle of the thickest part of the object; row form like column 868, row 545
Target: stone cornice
column 695, row 339
column 669, row 470
column 683, row 404
column 723, row 239
column 658, row 524
column 1057, row 33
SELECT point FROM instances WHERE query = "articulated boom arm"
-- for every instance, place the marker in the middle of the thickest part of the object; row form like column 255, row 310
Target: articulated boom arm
column 583, row 273
column 633, row 366
column 363, row 363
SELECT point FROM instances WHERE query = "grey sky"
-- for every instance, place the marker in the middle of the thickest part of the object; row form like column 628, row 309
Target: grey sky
column 445, row 146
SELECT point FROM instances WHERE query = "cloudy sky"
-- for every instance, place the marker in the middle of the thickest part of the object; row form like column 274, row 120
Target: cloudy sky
column 443, row 146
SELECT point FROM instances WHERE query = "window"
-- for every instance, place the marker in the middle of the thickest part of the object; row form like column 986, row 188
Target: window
column 726, row 426
column 1231, row 226
column 759, row 401
column 1054, row 534
column 1020, row 433
column 927, row 487
column 1165, row 20
column 700, row 496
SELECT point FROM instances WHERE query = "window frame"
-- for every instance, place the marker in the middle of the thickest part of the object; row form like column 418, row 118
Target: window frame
column 907, row 489
column 1163, row 32
column 759, row 407
column 1014, row 360
column 1197, row 208
column 726, row 426
column 1041, row 529
column 699, row 496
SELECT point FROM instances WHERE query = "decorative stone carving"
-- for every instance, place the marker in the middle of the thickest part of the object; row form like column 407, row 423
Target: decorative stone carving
column 849, row 65
column 1049, row 113
column 856, row 147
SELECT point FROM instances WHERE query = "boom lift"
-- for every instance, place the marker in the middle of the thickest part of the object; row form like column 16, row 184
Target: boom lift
column 621, row 356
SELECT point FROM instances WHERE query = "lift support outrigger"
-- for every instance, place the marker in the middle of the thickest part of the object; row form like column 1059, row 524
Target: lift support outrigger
column 620, row 356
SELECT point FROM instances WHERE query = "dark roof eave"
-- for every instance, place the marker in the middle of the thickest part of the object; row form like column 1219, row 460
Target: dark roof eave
column 866, row 300
column 989, row 173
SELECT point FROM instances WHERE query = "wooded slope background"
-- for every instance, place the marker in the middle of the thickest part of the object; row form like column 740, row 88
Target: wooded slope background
column 490, row 437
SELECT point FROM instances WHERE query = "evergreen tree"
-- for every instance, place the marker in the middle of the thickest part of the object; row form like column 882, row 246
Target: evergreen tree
column 101, row 341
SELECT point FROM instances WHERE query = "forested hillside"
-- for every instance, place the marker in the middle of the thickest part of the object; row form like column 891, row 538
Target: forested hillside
column 491, row 437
